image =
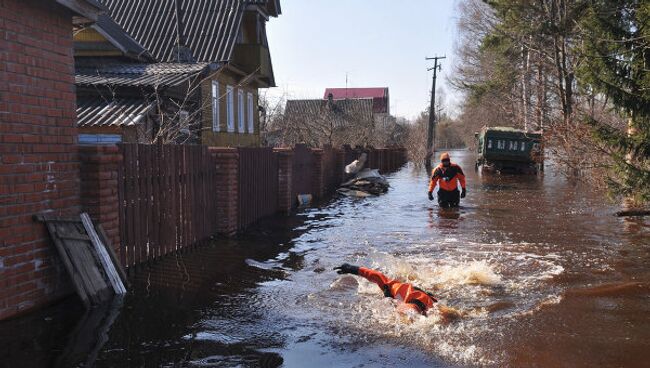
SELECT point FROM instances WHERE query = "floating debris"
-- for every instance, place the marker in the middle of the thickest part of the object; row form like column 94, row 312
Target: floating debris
column 366, row 183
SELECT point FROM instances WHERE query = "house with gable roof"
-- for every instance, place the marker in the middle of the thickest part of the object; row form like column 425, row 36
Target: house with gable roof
column 181, row 71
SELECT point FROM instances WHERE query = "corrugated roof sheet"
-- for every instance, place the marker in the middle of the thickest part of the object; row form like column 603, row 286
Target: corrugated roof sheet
column 119, row 38
column 118, row 113
column 207, row 28
column 341, row 112
column 138, row 75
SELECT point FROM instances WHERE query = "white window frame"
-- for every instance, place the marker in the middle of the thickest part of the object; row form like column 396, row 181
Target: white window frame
column 215, row 106
column 230, row 108
column 241, row 121
column 251, row 114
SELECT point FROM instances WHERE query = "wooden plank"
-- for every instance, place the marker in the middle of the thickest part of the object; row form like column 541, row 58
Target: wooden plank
column 175, row 197
column 121, row 209
column 140, row 230
column 146, row 201
column 104, row 258
column 65, row 259
column 111, row 253
column 155, row 208
column 167, row 233
column 130, row 214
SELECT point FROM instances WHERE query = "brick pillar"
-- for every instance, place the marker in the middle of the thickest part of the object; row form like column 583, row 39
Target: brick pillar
column 227, row 160
column 318, row 184
column 99, row 188
column 285, row 178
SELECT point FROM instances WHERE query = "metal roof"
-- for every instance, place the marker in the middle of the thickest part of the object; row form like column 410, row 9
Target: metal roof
column 341, row 112
column 207, row 29
column 343, row 93
column 139, row 75
column 119, row 38
column 116, row 113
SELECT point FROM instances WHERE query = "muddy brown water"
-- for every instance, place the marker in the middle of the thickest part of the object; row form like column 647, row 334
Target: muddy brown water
column 545, row 274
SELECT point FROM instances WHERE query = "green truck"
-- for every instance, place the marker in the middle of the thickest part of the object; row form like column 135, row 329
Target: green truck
column 509, row 150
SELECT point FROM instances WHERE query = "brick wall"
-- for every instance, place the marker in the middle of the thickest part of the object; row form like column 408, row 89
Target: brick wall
column 99, row 188
column 39, row 169
column 227, row 188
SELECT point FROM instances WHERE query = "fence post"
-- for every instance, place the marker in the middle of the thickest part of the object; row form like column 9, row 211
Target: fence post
column 285, row 178
column 317, row 174
column 99, row 188
column 227, row 161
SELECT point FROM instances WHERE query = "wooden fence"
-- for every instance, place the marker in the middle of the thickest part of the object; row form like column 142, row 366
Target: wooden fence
column 157, row 199
column 332, row 169
column 303, row 176
column 258, row 184
column 165, row 197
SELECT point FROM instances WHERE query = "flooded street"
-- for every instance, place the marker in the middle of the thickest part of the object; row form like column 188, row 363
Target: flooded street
column 544, row 273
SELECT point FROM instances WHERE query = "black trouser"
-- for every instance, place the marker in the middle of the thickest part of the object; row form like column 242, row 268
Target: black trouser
column 448, row 198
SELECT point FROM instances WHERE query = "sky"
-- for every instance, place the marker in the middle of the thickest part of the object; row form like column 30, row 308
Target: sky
column 376, row 43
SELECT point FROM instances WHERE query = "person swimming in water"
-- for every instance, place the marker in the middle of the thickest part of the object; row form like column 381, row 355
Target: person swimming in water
column 412, row 297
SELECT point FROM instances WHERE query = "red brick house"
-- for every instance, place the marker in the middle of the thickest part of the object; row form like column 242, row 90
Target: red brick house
column 39, row 165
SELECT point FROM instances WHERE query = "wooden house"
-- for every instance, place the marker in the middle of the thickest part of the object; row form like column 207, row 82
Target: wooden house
column 174, row 71
column 325, row 122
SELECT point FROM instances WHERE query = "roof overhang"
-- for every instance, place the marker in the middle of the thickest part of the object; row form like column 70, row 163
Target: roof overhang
column 87, row 11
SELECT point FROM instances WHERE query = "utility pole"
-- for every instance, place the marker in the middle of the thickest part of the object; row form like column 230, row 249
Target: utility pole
column 432, row 111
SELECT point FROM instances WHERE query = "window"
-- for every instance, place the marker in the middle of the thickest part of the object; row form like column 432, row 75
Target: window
column 523, row 146
column 515, row 145
column 251, row 114
column 501, row 144
column 215, row 106
column 100, row 138
column 489, row 143
column 184, row 120
column 230, row 108
column 240, row 112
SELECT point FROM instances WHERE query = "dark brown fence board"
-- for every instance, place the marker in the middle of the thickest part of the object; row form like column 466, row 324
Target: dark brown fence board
column 167, row 199
column 258, row 184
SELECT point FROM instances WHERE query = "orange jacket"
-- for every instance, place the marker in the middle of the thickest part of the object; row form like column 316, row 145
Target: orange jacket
column 446, row 177
column 399, row 290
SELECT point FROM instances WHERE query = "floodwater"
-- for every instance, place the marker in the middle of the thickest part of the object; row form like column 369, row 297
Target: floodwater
column 544, row 273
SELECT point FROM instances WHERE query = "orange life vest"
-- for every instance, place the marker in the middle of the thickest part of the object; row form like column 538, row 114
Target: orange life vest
column 447, row 178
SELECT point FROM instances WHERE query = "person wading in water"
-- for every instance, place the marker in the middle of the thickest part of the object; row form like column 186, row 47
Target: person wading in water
column 447, row 176
column 413, row 300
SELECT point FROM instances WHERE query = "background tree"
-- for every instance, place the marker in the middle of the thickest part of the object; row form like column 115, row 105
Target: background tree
column 617, row 69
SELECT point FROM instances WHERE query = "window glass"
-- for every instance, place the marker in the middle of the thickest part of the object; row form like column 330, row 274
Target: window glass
column 489, row 143
column 230, row 108
column 251, row 114
column 215, row 106
column 184, row 120
column 523, row 146
column 241, row 126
